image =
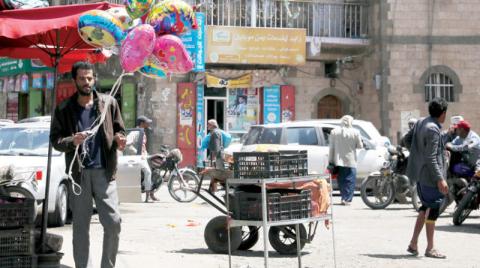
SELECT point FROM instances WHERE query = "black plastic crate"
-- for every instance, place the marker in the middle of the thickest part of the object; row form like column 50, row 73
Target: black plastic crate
column 16, row 212
column 18, row 262
column 49, row 260
column 286, row 206
column 17, row 242
column 291, row 206
column 279, row 164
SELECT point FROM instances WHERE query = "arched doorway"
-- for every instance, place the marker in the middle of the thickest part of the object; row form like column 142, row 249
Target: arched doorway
column 329, row 107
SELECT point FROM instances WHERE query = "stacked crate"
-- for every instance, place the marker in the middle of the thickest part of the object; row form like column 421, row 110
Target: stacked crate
column 17, row 237
column 282, row 204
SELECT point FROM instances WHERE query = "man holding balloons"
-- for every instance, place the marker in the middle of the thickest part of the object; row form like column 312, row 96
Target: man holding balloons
column 89, row 128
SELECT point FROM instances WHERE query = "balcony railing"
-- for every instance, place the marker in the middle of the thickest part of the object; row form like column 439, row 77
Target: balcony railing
column 337, row 20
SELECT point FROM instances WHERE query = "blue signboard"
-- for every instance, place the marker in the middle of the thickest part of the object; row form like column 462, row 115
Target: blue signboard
column 200, row 124
column 271, row 104
column 194, row 42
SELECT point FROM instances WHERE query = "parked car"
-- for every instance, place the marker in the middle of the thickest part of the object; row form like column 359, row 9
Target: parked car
column 24, row 148
column 366, row 128
column 5, row 122
column 44, row 118
column 312, row 136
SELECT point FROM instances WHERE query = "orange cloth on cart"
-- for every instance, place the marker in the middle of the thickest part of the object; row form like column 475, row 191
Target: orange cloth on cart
column 319, row 188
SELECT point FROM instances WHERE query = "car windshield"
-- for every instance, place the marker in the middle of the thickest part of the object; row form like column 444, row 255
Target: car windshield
column 24, row 141
column 263, row 135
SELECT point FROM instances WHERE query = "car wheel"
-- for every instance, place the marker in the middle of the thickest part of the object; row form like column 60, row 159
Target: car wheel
column 59, row 217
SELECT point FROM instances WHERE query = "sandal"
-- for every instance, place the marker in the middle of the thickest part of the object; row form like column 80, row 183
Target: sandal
column 413, row 251
column 433, row 253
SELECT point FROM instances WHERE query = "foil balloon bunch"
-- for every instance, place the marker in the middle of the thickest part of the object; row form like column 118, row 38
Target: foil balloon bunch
column 144, row 33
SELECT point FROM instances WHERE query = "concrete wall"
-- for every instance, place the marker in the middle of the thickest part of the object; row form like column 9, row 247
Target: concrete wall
column 425, row 35
column 157, row 99
column 354, row 86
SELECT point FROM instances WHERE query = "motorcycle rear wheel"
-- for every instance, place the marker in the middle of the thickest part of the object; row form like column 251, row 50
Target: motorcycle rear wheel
column 377, row 193
column 464, row 208
column 184, row 192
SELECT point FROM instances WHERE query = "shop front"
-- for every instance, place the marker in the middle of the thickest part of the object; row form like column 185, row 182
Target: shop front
column 26, row 85
column 238, row 98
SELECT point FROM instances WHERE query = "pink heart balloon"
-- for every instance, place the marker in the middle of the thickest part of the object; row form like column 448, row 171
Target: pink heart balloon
column 170, row 50
column 136, row 47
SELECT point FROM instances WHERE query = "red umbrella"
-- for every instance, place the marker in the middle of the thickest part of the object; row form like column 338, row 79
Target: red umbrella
column 51, row 35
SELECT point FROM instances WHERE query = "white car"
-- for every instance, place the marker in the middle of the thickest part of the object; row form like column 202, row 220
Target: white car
column 366, row 128
column 5, row 122
column 24, row 149
column 311, row 136
column 43, row 118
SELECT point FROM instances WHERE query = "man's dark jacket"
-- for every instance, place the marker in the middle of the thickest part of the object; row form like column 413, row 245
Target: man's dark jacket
column 426, row 143
column 65, row 125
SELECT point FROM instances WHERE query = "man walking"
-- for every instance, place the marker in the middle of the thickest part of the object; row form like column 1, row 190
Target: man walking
column 95, row 165
column 216, row 144
column 426, row 165
column 344, row 141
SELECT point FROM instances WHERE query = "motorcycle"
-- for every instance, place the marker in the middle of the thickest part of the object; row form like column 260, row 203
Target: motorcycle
column 182, row 183
column 458, row 179
column 381, row 188
column 469, row 202
column 19, row 184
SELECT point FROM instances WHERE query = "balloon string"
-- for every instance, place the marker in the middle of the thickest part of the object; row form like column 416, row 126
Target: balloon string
column 92, row 132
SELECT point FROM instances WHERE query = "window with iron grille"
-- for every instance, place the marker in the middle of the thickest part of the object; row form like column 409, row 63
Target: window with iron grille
column 439, row 85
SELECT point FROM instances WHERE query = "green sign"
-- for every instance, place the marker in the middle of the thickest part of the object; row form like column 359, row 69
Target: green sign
column 128, row 105
column 15, row 66
column 12, row 67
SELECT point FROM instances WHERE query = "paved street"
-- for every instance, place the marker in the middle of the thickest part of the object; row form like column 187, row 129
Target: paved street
column 158, row 235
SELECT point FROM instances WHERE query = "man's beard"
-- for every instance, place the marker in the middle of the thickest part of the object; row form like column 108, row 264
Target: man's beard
column 83, row 91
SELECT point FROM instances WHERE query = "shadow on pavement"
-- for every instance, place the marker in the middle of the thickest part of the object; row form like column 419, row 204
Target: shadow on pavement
column 471, row 228
column 65, row 266
column 391, row 209
column 126, row 252
column 243, row 253
column 392, row 256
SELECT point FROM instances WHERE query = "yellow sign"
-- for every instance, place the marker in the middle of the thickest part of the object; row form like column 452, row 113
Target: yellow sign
column 244, row 81
column 255, row 45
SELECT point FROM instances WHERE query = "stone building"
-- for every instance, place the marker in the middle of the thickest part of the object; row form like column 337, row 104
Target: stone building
column 378, row 60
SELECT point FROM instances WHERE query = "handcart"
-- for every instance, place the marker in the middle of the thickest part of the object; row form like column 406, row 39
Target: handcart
column 280, row 203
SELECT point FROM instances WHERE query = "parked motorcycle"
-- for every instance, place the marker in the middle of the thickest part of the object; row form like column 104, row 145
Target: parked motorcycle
column 469, row 202
column 182, row 183
column 458, row 180
column 381, row 188
column 18, row 183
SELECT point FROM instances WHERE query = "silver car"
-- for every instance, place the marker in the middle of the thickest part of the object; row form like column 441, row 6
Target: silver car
column 24, row 150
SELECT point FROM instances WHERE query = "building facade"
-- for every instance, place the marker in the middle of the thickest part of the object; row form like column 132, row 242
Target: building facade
column 377, row 60
column 428, row 49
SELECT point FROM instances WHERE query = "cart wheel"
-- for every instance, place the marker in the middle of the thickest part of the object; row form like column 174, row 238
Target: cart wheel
column 216, row 235
column 249, row 237
column 283, row 238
